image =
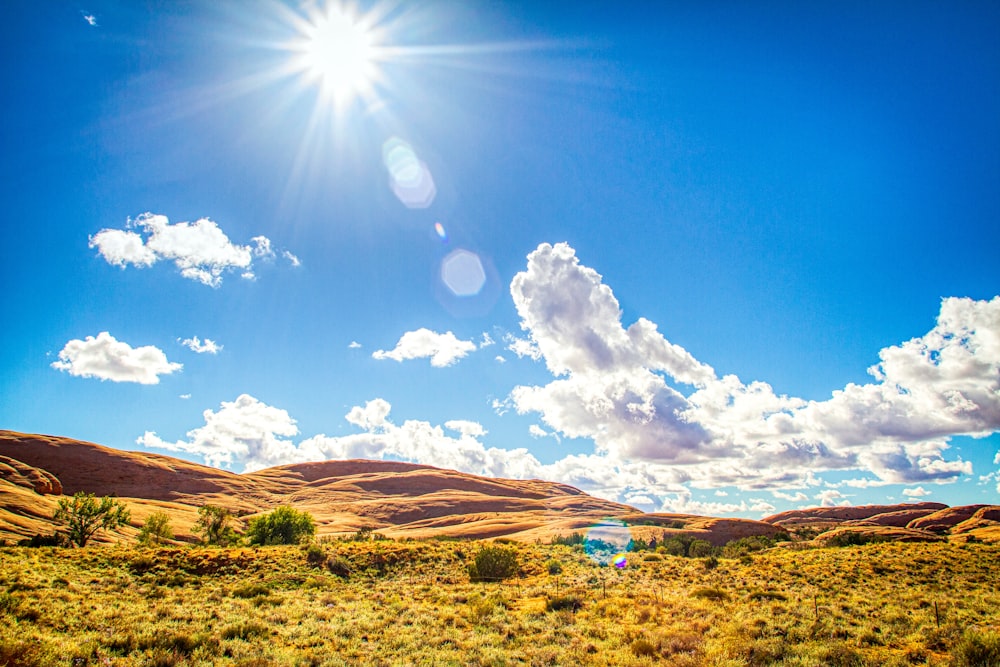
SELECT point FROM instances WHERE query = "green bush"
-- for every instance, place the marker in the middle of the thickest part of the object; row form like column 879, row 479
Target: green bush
column 493, row 563
column 214, row 524
column 700, row 548
column 156, row 530
column 84, row 515
column 285, row 525
column 553, row 566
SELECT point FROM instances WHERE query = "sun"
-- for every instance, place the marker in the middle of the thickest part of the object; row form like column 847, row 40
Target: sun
column 338, row 52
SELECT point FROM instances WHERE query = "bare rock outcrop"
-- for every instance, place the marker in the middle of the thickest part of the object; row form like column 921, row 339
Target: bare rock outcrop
column 944, row 520
column 37, row 479
column 846, row 513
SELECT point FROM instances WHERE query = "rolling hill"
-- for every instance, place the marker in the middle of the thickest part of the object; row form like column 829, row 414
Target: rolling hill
column 393, row 498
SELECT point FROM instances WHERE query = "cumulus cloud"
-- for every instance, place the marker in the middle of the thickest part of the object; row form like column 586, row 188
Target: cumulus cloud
column 640, row 397
column 200, row 250
column 832, row 498
column 207, row 346
column 106, row 358
column 244, row 431
column 354, row 345
column 249, row 434
column 918, row 492
column 442, row 349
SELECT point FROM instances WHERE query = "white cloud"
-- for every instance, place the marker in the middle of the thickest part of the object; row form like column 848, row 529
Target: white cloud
column 442, row 349
column 244, row 431
column 354, row 345
column 918, row 492
column 522, row 347
column 292, row 259
column 537, row 431
column 185, row 396
column 611, row 385
column 832, row 498
column 469, row 428
column 486, row 341
column 208, row 346
column 262, row 247
column 797, row 497
column 499, row 359
column 721, row 494
column 200, row 250
column 106, row 358
column 89, row 18
column 251, row 434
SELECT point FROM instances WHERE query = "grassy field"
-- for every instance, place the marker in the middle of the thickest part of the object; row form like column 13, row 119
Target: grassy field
column 411, row 603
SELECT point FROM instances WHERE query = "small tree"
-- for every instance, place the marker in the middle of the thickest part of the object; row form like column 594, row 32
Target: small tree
column 84, row 515
column 213, row 524
column 493, row 563
column 285, row 525
column 156, row 530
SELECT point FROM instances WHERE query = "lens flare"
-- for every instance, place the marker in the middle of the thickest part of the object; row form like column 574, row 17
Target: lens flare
column 439, row 230
column 606, row 539
column 462, row 272
column 620, row 561
column 409, row 177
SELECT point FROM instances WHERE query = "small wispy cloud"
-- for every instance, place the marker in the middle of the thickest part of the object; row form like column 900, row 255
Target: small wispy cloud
column 442, row 349
column 354, row 345
column 89, row 18
column 291, row 258
column 207, row 346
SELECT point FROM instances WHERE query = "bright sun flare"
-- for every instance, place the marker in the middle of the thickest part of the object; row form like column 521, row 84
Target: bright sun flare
column 337, row 50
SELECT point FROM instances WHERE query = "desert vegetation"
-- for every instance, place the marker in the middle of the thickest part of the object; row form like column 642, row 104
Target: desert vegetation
column 388, row 602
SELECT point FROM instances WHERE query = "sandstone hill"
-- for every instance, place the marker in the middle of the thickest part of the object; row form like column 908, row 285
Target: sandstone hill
column 908, row 522
column 399, row 500
column 393, row 498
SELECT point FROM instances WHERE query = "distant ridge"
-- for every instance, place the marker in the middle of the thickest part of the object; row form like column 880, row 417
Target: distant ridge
column 397, row 499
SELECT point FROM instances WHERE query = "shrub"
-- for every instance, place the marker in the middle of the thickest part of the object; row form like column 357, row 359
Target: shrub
column 84, row 515
column 767, row 595
column 339, row 566
column 246, row 630
column 700, row 548
column 710, row 563
column 315, row 555
column 570, row 602
column 553, row 566
column 251, row 591
column 214, row 525
column 156, row 530
column 710, row 594
column 493, row 563
column 643, row 647
column 977, row 650
column 285, row 525
column 53, row 540
column 568, row 540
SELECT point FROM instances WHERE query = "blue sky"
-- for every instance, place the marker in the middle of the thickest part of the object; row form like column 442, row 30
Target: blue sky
column 653, row 252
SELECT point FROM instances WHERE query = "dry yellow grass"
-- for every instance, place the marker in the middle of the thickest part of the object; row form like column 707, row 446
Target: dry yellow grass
column 411, row 603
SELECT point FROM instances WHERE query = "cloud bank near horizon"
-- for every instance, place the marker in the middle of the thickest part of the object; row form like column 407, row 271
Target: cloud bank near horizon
column 663, row 422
